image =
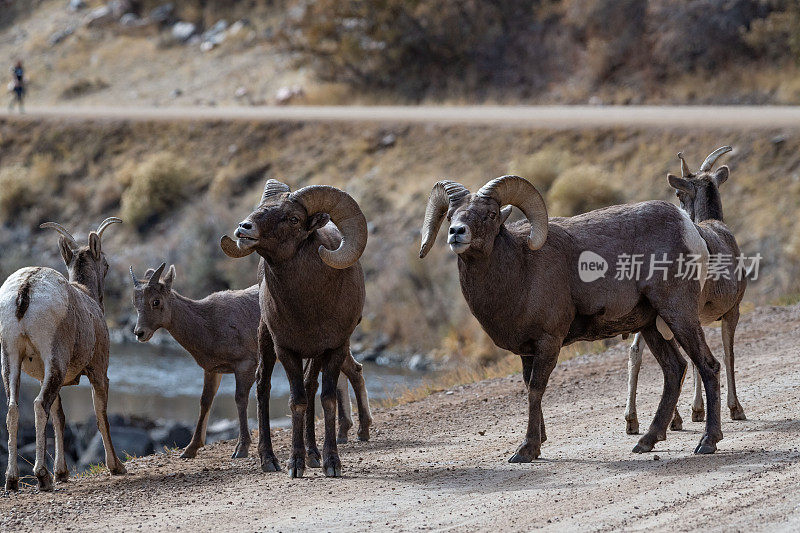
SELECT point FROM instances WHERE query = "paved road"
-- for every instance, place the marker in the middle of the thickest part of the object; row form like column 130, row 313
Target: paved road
column 515, row 116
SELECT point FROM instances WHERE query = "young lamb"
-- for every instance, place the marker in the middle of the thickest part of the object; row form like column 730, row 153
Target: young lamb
column 699, row 197
column 220, row 333
column 522, row 283
column 54, row 330
column 312, row 296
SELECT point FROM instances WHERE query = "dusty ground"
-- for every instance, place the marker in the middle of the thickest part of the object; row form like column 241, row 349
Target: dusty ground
column 441, row 463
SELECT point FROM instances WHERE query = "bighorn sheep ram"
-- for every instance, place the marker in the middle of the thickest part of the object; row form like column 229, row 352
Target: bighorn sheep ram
column 699, row 197
column 311, row 297
column 522, row 283
column 54, row 330
column 221, row 333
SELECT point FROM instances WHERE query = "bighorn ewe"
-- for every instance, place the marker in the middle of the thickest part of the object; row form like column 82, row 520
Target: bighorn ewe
column 55, row 331
column 311, row 297
column 699, row 197
column 522, row 283
column 220, row 332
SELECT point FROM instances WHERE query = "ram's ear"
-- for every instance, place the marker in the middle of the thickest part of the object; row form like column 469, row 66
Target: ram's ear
column 67, row 253
column 94, row 245
column 505, row 213
column 169, row 278
column 721, row 175
column 317, row 220
column 679, row 183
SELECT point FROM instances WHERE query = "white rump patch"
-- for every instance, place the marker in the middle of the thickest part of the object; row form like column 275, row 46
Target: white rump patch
column 663, row 328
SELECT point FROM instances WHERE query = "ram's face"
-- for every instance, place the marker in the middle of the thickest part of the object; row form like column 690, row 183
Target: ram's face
column 152, row 310
column 474, row 224
column 276, row 229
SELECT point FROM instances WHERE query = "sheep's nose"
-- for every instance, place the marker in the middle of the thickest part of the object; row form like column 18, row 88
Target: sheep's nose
column 139, row 333
column 458, row 230
column 246, row 225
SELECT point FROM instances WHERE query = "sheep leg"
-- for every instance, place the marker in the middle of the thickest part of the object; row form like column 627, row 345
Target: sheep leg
column 59, row 421
column 690, row 336
column 100, row 400
column 313, row 457
column 53, row 379
column 729, row 322
column 331, row 465
column 673, row 366
column 267, row 358
column 298, row 403
column 244, row 381
column 698, row 411
column 344, row 409
column 11, row 366
column 634, row 364
column 355, row 374
column 210, row 386
column 677, row 421
column 536, row 369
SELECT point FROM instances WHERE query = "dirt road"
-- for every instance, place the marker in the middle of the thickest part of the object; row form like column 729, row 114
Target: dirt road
column 441, row 463
column 516, row 116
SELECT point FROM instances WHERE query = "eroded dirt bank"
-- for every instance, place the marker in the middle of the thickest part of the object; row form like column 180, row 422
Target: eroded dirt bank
column 441, row 463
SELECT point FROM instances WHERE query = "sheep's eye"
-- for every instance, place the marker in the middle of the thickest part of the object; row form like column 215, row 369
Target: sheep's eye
column 294, row 220
column 156, row 303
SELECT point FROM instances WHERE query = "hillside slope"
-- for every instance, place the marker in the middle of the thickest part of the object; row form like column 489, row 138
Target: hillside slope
column 376, row 51
column 441, row 463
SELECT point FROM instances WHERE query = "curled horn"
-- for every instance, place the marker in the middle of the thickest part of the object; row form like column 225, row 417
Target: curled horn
column 63, row 231
column 232, row 249
column 273, row 188
column 345, row 213
column 685, row 172
column 106, row 223
column 157, row 274
column 443, row 194
column 136, row 282
column 519, row 192
column 713, row 156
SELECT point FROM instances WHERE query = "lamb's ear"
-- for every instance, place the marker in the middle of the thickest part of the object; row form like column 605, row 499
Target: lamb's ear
column 169, row 278
column 721, row 175
column 505, row 213
column 67, row 253
column 94, row 245
column 317, row 220
column 679, row 183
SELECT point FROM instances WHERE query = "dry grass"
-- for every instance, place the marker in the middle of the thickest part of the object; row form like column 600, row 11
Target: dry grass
column 581, row 189
column 541, row 167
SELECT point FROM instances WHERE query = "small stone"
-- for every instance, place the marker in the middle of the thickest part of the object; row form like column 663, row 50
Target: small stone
column 656, row 458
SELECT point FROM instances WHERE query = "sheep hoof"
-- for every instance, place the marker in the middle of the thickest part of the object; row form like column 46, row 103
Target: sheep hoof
column 677, row 423
column 313, row 458
column 45, row 482
column 699, row 415
column 341, row 439
column 737, row 413
column 363, row 434
column 333, row 467
column 269, row 463
column 632, row 426
column 706, row 446
column 12, row 484
column 643, row 446
column 62, row 477
column 241, row 451
column 189, row 453
column 118, row 470
column 296, row 467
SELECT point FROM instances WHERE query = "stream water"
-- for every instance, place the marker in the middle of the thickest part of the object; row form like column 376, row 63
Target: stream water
column 164, row 382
